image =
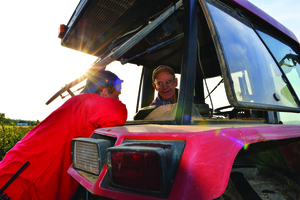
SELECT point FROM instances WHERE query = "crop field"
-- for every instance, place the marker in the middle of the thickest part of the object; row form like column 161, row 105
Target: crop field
column 10, row 135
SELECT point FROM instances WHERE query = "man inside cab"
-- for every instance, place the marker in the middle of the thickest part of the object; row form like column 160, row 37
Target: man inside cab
column 165, row 83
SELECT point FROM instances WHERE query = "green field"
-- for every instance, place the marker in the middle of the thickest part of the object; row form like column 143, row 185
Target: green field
column 10, row 135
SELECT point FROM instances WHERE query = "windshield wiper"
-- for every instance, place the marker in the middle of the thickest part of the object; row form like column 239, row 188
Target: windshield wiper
column 292, row 58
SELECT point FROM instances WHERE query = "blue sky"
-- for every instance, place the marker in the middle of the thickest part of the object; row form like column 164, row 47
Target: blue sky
column 286, row 12
column 34, row 66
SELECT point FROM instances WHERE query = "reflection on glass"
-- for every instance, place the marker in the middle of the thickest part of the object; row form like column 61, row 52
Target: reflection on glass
column 287, row 58
column 289, row 62
column 255, row 75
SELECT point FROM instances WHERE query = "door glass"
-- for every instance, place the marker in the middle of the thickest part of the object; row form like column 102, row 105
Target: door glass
column 287, row 58
column 256, row 81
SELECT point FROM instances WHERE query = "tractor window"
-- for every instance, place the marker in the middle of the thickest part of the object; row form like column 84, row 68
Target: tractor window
column 131, row 75
column 254, row 78
column 287, row 58
column 217, row 93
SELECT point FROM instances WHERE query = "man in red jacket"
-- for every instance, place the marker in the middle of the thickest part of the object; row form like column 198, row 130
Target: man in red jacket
column 48, row 145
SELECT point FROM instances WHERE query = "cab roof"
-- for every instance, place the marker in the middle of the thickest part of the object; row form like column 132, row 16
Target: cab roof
column 251, row 8
column 96, row 27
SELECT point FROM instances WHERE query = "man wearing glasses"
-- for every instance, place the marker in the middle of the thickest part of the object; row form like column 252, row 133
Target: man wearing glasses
column 165, row 82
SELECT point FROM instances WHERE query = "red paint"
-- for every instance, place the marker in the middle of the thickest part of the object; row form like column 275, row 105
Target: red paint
column 207, row 159
column 47, row 147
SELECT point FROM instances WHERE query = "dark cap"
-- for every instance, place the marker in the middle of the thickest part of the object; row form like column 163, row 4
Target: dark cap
column 162, row 68
column 102, row 78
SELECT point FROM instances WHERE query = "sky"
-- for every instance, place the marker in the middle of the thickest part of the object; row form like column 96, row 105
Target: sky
column 284, row 11
column 34, row 66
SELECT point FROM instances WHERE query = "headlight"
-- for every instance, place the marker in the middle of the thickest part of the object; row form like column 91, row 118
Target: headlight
column 89, row 154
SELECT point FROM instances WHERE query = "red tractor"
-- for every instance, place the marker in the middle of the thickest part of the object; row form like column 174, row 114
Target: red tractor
column 234, row 132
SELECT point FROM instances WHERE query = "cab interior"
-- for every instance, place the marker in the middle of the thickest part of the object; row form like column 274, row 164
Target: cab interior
column 163, row 46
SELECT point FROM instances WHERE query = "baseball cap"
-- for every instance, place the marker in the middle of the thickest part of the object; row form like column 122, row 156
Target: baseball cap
column 102, row 78
column 161, row 68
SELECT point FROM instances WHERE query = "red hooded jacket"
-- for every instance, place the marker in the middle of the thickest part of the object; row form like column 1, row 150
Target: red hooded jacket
column 48, row 147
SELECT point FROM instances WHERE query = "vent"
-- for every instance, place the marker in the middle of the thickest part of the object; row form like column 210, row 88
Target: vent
column 95, row 21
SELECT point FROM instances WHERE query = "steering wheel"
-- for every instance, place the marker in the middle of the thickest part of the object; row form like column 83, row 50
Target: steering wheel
column 218, row 110
column 144, row 112
column 234, row 113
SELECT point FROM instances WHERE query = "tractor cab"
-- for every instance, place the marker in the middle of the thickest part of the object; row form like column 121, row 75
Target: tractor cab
column 235, row 124
column 210, row 45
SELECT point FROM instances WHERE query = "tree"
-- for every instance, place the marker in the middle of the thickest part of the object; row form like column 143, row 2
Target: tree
column 2, row 117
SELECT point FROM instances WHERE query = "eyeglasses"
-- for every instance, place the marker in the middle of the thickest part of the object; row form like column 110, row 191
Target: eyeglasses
column 161, row 83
